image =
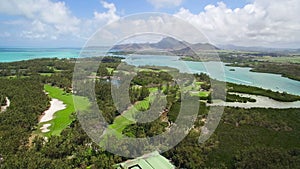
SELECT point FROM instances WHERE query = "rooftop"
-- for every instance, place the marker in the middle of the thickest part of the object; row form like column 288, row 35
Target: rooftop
column 148, row 161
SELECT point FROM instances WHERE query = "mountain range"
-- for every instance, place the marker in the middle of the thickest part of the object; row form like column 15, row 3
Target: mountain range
column 166, row 45
column 171, row 46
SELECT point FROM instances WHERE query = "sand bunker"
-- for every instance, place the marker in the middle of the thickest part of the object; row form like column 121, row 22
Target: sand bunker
column 3, row 108
column 56, row 105
column 44, row 128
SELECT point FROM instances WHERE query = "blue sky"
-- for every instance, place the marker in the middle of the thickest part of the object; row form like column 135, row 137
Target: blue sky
column 127, row 7
column 64, row 23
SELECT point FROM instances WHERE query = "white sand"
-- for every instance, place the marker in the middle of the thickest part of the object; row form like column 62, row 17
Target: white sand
column 261, row 102
column 3, row 108
column 44, row 128
column 56, row 105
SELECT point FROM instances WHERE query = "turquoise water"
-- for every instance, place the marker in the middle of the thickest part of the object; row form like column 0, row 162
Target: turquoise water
column 18, row 54
column 214, row 69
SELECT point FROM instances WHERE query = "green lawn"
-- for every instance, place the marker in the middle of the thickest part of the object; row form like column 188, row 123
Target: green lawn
column 63, row 118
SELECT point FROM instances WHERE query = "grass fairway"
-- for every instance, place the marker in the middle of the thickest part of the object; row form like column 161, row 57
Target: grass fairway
column 63, row 118
column 127, row 117
column 45, row 74
column 110, row 70
column 200, row 93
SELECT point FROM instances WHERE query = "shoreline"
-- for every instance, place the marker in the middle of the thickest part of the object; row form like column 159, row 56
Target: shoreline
column 261, row 102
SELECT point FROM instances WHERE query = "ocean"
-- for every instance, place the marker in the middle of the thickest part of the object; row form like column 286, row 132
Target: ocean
column 18, row 54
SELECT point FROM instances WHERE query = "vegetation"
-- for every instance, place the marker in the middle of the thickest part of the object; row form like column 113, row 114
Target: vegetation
column 122, row 121
column 284, row 97
column 244, row 134
column 283, row 59
column 237, row 98
column 245, row 138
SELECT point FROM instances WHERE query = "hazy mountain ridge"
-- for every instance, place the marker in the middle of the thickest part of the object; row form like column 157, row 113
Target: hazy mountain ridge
column 259, row 49
column 166, row 45
column 169, row 45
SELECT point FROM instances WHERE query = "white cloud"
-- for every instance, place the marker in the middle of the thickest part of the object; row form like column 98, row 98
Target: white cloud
column 146, row 27
column 46, row 19
column 44, row 11
column 100, row 19
column 109, row 16
column 263, row 22
column 165, row 3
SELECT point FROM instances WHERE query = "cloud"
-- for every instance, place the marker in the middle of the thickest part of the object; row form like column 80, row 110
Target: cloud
column 165, row 3
column 45, row 19
column 55, row 14
column 109, row 16
column 263, row 22
column 146, row 27
column 99, row 20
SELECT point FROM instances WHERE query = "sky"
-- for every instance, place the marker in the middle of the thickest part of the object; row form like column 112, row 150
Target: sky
column 69, row 23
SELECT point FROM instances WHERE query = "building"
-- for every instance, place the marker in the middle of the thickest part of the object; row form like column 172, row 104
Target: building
column 148, row 161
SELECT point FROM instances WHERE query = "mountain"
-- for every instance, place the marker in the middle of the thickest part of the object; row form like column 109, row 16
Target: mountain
column 170, row 44
column 166, row 45
column 132, row 47
column 195, row 48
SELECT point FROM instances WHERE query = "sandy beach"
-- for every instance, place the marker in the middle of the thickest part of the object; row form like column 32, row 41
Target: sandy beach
column 261, row 102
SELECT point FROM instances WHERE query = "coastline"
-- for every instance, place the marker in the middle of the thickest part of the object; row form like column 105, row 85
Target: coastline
column 261, row 102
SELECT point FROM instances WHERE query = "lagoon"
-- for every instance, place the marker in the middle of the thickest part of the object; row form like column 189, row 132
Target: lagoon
column 239, row 76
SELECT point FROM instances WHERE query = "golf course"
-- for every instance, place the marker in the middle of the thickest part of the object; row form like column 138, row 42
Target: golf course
column 62, row 118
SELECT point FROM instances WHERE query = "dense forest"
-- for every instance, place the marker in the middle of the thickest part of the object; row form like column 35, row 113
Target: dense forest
column 245, row 138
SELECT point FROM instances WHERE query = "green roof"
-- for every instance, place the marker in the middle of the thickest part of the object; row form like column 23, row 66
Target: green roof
column 148, row 161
